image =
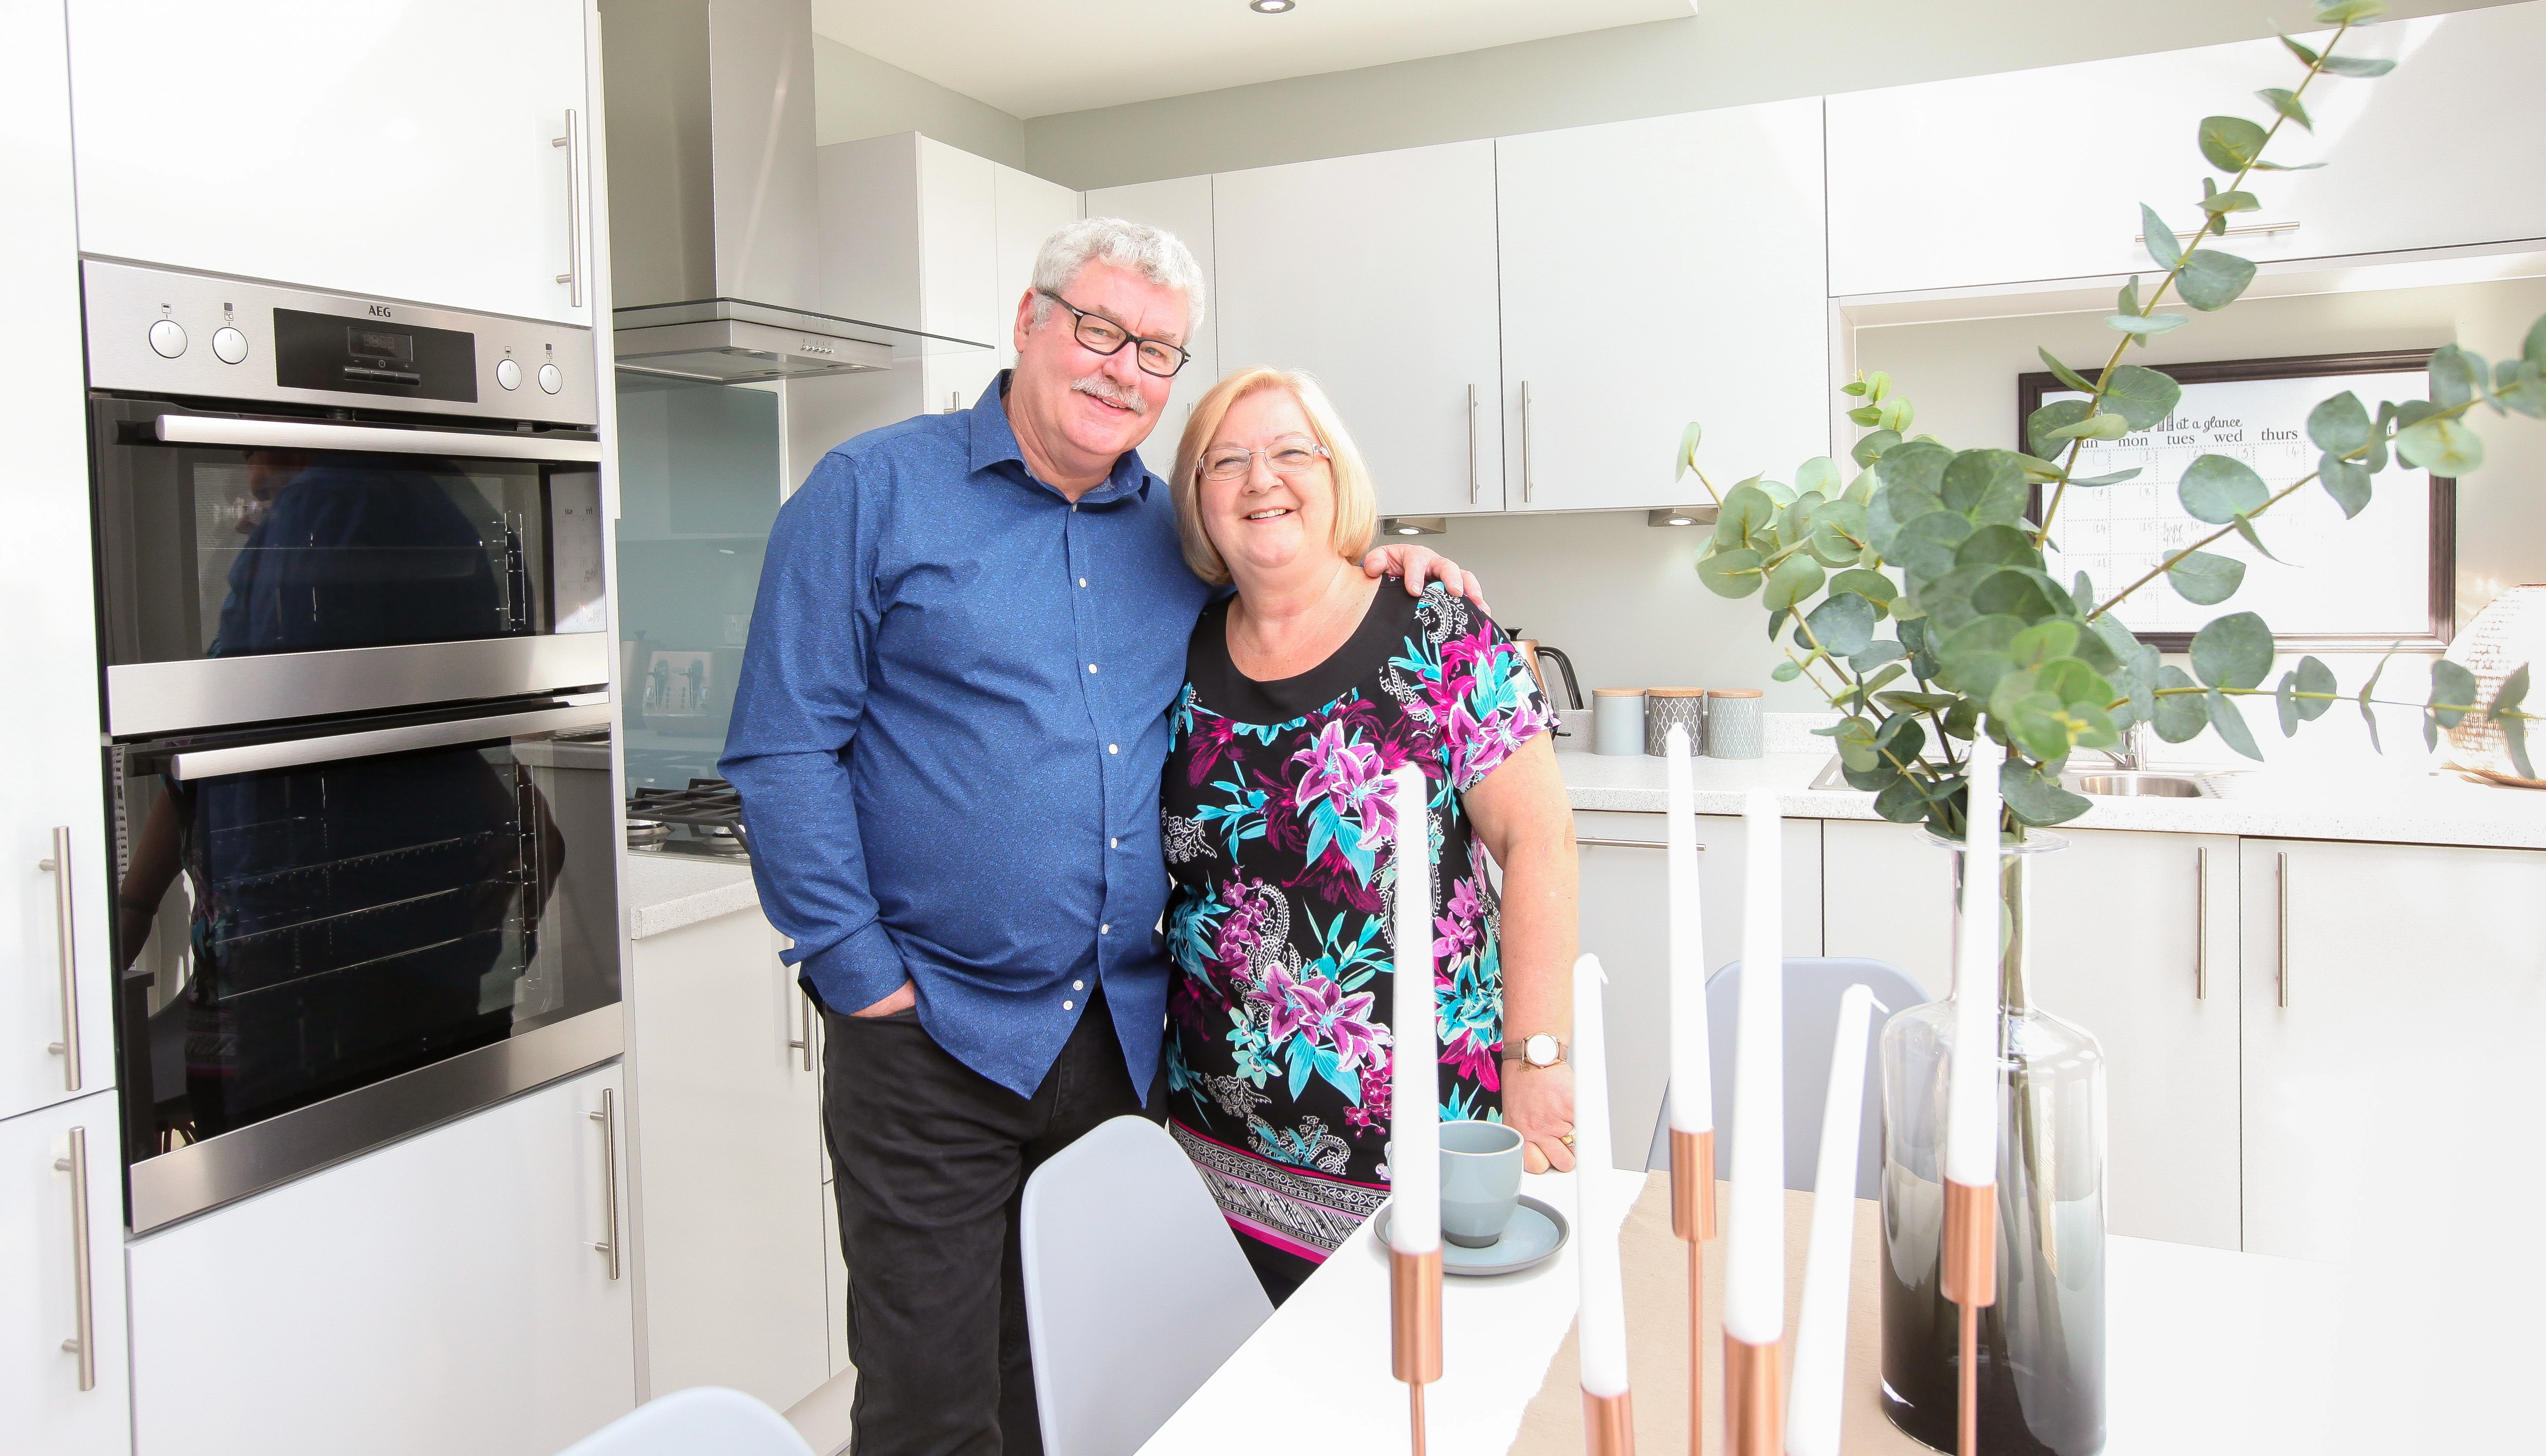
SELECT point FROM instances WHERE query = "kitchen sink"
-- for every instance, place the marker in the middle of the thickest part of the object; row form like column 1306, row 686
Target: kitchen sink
column 2130, row 784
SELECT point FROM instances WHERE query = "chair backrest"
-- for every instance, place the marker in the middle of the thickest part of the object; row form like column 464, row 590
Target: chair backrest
column 692, row 1422
column 1812, row 987
column 1136, row 1288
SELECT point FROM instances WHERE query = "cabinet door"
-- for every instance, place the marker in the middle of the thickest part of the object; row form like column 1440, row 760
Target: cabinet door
column 1914, row 168
column 52, row 1280
column 50, row 738
column 2392, row 999
column 442, row 1294
column 1625, row 923
column 401, row 151
column 1375, row 274
column 1181, row 205
column 959, row 273
column 1656, row 271
column 726, row 1117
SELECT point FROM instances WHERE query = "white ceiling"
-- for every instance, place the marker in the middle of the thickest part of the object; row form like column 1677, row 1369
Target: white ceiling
column 1035, row 57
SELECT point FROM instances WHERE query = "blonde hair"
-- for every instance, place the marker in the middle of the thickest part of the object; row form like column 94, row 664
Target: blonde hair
column 1356, row 504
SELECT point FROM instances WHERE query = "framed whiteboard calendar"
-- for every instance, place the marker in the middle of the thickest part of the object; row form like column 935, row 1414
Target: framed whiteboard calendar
column 2385, row 576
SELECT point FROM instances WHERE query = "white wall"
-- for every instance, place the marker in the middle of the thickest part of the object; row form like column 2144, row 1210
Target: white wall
column 856, row 96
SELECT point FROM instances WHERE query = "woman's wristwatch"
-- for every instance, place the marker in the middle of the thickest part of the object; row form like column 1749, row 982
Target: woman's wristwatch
column 1541, row 1050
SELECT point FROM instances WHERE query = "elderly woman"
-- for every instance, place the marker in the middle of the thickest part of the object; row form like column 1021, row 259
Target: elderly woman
column 1303, row 691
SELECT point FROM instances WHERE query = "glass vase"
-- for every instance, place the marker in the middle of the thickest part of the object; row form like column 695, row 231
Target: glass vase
column 2041, row 1378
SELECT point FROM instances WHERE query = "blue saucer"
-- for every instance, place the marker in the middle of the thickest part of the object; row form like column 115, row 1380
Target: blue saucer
column 1532, row 1238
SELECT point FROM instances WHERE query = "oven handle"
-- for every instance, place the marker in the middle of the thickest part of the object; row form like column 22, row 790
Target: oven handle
column 208, row 763
column 205, row 429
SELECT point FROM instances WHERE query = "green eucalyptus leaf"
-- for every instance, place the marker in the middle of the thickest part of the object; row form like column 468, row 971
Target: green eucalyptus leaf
column 1795, row 521
column 2218, row 488
column 1986, row 486
column 2285, row 704
column 2233, row 652
column 1903, row 803
column 2246, row 528
column 2037, row 799
column 2286, row 102
column 1777, row 617
column 2355, row 65
column 1842, row 626
column 1924, row 547
column 1878, row 385
column 2534, row 347
column 2306, row 57
column 2206, row 579
column 2455, row 686
column 2231, row 144
column 2042, row 428
column 2441, row 445
column 1869, row 449
column 2339, row 424
column 2161, row 246
column 2368, row 713
column 2092, row 427
column 1792, row 580
column 2075, row 684
column 1867, row 415
column 2348, row 12
column 2154, row 324
column 1962, row 721
column 1777, row 490
column 2128, row 300
column 2515, row 741
column 1907, row 702
column 2219, row 204
column 2287, row 166
column 2063, row 373
column 1686, row 459
column 1818, row 473
column 2457, row 375
column 2115, row 478
column 1916, row 464
column 2520, row 386
column 1730, row 573
column 1874, row 587
column 1786, row 671
column 1896, row 415
column 1855, row 743
column 2230, row 724
column 2019, row 592
column 1947, row 599
column 2141, row 395
column 2313, row 676
column 2507, row 700
column 2042, row 642
column 2032, row 720
column 1745, row 512
column 2180, row 716
column 2212, row 280
column 1839, row 533
column 1875, row 652
column 1997, row 543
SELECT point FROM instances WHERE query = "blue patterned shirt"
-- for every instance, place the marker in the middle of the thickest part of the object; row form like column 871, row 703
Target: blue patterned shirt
column 949, row 731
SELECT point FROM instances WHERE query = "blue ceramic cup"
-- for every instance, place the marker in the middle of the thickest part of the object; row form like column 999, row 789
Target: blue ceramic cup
column 1480, row 1171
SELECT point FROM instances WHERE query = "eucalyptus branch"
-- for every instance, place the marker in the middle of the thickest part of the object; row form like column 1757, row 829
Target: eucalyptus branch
column 2471, row 710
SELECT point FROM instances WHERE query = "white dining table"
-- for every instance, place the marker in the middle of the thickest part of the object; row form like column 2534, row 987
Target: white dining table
column 2208, row 1351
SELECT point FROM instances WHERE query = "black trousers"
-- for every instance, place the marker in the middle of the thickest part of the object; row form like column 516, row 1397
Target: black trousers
column 929, row 1162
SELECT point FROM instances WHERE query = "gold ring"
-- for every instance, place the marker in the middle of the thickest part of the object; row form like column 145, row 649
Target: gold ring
column 1566, row 1140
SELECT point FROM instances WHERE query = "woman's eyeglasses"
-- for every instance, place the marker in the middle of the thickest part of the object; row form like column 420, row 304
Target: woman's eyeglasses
column 1292, row 454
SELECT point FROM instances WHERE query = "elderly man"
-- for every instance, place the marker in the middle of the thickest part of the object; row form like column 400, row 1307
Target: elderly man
column 948, row 735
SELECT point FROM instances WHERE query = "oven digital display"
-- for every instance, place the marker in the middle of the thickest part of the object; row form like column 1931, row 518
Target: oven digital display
column 340, row 355
column 373, row 344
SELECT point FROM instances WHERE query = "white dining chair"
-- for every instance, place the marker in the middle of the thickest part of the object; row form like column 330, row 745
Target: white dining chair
column 1136, row 1288
column 702, row 1421
column 1812, row 985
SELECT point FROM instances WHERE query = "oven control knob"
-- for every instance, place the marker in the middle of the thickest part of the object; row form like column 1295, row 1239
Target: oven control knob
column 229, row 344
column 550, row 379
column 167, row 340
column 508, row 373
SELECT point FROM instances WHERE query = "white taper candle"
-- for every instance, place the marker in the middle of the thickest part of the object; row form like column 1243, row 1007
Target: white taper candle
column 1602, row 1334
column 1692, row 1092
column 1755, row 1282
column 1971, row 1084
column 1415, row 1081
column 1821, row 1329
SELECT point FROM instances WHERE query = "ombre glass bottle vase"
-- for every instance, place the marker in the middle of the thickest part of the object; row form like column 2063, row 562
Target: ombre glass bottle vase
column 2042, row 1344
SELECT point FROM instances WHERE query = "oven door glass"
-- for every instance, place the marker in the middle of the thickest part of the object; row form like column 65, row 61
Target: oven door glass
column 214, row 551
column 297, row 931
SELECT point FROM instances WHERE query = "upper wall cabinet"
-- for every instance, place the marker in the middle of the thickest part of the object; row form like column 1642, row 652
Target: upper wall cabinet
column 408, row 152
column 1653, row 273
column 1376, row 275
column 2040, row 174
column 1181, row 205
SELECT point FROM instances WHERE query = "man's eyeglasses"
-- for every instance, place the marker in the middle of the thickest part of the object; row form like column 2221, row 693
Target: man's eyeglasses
column 1292, row 454
column 1098, row 334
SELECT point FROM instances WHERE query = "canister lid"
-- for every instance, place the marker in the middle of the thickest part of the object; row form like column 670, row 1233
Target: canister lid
column 1617, row 692
column 1732, row 692
column 1675, row 692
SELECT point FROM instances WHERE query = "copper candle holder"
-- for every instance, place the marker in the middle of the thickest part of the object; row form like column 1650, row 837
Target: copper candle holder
column 1414, row 1328
column 1608, row 1425
column 1754, row 1398
column 1692, row 1184
column 1969, row 1270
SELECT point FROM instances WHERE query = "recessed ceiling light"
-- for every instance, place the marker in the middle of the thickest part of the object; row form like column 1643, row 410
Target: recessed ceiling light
column 1272, row 7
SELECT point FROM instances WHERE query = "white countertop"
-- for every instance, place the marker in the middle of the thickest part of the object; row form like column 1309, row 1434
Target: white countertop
column 666, row 891
column 2393, row 808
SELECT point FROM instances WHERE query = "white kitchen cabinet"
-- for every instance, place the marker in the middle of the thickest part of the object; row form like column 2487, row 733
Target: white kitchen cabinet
column 2392, row 999
column 1652, row 273
column 725, row 1054
column 1625, row 923
column 60, row 1277
column 2040, row 174
column 404, row 151
column 1376, row 275
column 1181, row 205
column 2133, row 940
column 50, row 739
column 442, row 1294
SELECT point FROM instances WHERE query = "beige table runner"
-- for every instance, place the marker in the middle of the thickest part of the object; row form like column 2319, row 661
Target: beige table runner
column 1656, row 1287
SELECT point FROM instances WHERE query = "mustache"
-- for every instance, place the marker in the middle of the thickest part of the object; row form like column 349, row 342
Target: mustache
column 1101, row 388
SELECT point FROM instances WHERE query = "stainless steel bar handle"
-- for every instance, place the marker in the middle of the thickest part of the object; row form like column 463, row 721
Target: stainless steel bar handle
column 608, row 1117
column 1528, row 477
column 2201, row 923
column 83, row 1343
column 2284, row 978
column 804, row 1040
column 68, row 1048
column 205, row 429
column 301, row 753
column 572, row 278
column 1472, row 485
column 1627, row 843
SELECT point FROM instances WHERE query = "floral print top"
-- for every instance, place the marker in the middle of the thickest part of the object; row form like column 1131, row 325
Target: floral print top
column 1279, row 831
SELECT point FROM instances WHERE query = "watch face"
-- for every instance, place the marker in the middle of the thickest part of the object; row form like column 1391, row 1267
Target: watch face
column 1541, row 1049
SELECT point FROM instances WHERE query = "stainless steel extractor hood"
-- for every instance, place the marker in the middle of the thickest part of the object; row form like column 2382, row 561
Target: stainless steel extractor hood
column 710, row 114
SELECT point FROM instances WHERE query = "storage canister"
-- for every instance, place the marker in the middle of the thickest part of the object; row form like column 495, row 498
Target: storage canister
column 1666, row 705
column 1733, row 728
column 1617, row 719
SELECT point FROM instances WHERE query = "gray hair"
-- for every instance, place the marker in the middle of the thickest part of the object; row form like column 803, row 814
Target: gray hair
column 1136, row 247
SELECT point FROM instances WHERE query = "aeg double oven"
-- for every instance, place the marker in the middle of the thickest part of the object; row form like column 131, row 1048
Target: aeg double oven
column 350, row 566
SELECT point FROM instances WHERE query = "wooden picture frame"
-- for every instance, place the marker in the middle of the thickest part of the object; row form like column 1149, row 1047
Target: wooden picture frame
column 2031, row 389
